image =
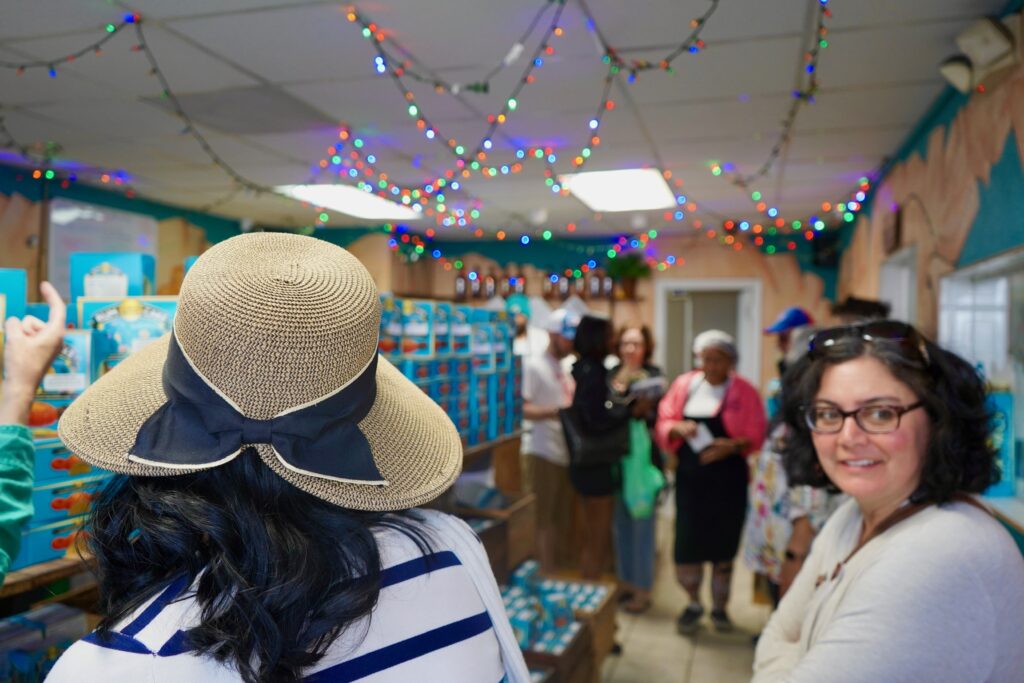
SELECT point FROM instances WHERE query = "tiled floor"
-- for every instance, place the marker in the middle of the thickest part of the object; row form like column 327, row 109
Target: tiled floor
column 652, row 651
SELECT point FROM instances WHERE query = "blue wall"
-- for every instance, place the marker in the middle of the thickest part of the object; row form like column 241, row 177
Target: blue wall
column 999, row 225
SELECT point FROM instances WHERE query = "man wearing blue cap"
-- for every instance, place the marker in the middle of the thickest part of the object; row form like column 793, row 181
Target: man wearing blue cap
column 790, row 319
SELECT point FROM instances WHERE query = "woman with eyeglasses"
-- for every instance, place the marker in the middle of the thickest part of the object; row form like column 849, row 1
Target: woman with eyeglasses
column 912, row 579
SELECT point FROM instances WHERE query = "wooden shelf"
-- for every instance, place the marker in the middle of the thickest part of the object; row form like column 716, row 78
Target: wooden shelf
column 470, row 452
column 38, row 575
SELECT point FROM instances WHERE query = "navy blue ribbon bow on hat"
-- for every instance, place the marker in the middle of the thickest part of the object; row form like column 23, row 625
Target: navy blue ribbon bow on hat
column 198, row 428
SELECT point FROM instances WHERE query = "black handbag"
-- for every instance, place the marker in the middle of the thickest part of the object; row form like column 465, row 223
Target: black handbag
column 592, row 448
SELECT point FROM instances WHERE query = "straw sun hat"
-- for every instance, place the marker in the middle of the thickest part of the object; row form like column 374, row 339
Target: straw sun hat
column 274, row 346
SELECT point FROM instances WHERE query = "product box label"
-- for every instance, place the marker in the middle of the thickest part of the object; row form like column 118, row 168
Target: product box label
column 123, row 326
column 113, row 275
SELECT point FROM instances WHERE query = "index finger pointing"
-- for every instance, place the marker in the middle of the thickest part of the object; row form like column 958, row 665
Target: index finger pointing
column 58, row 313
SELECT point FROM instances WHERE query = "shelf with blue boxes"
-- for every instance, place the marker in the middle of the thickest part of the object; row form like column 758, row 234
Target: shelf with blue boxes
column 461, row 356
column 562, row 623
column 115, row 317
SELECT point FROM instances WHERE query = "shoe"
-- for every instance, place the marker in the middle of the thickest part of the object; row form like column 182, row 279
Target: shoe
column 636, row 605
column 721, row 621
column 616, row 649
column 689, row 620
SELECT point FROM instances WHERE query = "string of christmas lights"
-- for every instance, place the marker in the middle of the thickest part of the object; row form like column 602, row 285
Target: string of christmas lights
column 482, row 85
column 95, row 48
column 692, row 45
column 801, row 97
column 387, row 64
column 414, row 247
column 190, row 127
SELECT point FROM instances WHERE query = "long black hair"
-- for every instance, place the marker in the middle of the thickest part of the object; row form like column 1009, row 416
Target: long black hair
column 593, row 338
column 959, row 455
column 281, row 572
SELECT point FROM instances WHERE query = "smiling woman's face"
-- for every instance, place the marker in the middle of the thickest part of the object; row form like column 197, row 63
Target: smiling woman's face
column 879, row 470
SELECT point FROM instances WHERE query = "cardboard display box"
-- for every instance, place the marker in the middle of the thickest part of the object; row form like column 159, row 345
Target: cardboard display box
column 520, row 517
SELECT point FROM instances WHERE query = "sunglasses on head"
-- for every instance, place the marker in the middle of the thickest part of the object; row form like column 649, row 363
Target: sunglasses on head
column 878, row 331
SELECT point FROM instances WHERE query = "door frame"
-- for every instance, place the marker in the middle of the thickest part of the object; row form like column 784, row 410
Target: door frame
column 748, row 310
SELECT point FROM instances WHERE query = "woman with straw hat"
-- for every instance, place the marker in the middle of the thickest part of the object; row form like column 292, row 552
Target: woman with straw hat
column 265, row 531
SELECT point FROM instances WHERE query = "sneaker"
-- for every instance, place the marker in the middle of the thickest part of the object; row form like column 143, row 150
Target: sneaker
column 689, row 620
column 721, row 621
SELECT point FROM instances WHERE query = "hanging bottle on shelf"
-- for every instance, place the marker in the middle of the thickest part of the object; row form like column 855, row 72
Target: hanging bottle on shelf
column 564, row 288
column 548, row 289
column 607, row 286
column 490, row 284
column 520, row 285
column 475, row 287
column 579, row 286
column 461, row 285
column 595, row 284
column 506, row 283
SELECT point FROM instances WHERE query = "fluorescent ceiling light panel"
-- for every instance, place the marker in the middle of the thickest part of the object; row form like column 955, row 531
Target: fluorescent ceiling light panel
column 350, row 200
column 635, row 189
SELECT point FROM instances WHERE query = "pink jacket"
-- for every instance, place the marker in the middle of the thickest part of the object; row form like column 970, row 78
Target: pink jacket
column 743, row 413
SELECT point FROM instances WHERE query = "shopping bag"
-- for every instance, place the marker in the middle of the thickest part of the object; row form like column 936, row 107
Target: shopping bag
column 641, row 480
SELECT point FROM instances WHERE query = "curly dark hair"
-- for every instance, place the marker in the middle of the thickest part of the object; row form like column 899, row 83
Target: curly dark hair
column 281, row 573
column 959, row 456
column 645, row 332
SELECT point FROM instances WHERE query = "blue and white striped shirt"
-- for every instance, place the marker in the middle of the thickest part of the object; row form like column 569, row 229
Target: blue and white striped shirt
column 430, row 624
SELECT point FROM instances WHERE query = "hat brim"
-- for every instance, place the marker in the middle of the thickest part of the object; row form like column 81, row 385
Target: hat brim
column 414, row 444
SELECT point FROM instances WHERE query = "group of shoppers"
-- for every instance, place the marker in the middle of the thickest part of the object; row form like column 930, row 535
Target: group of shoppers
column 709, row 420
column 267, row 523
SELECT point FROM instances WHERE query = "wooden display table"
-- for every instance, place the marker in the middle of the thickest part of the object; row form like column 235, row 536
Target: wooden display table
column 504, row 453
column 574, row 665
column 42, row 574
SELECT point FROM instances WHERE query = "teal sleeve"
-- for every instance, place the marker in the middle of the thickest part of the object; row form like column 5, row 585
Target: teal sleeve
column 17, row 460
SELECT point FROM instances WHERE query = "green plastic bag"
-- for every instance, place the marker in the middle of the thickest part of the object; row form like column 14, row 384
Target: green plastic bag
column 641, row 480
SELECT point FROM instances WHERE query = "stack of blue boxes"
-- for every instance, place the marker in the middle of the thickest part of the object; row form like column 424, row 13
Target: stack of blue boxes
column 462, row 358
column 111, row 306
column 542, row 611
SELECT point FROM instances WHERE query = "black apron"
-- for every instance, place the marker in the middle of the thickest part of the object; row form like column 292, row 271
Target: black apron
column 711, row 501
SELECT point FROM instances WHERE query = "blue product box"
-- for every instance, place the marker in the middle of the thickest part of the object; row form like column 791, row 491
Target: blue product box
column 556, row 606
column 123, row 326
column 14, row 289
column 416, row 370
column 483, row 341
column 443, row 329
column 390, row 342
column 115, row 275
column 526, row 575
column 462, row 331
column 189, row 262
column 61, row 500
column 523, row 626
column 418, row 328
column 31, row 643
column 50, row 542
column 503, row 337
column 1003, row 440
column 55, row 463
column 68, row 376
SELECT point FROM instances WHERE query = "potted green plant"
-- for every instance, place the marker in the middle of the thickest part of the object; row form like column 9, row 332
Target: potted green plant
column 626, row 270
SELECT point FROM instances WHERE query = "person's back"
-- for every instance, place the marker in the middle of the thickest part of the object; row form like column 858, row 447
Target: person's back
column 429, row 624
column 273, row 462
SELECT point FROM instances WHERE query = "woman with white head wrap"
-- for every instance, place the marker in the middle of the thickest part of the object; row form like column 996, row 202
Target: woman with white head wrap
column 712, row 419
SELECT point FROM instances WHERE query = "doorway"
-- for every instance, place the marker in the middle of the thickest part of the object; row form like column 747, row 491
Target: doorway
column 685, row 308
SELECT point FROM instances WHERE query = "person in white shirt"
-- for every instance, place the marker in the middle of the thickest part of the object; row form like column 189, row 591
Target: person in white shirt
column 912, row 580
column 548, row 387
column 266, row 531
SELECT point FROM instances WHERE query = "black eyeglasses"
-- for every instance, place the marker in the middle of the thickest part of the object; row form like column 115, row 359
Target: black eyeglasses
column 879, row 331
column 825, row 418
